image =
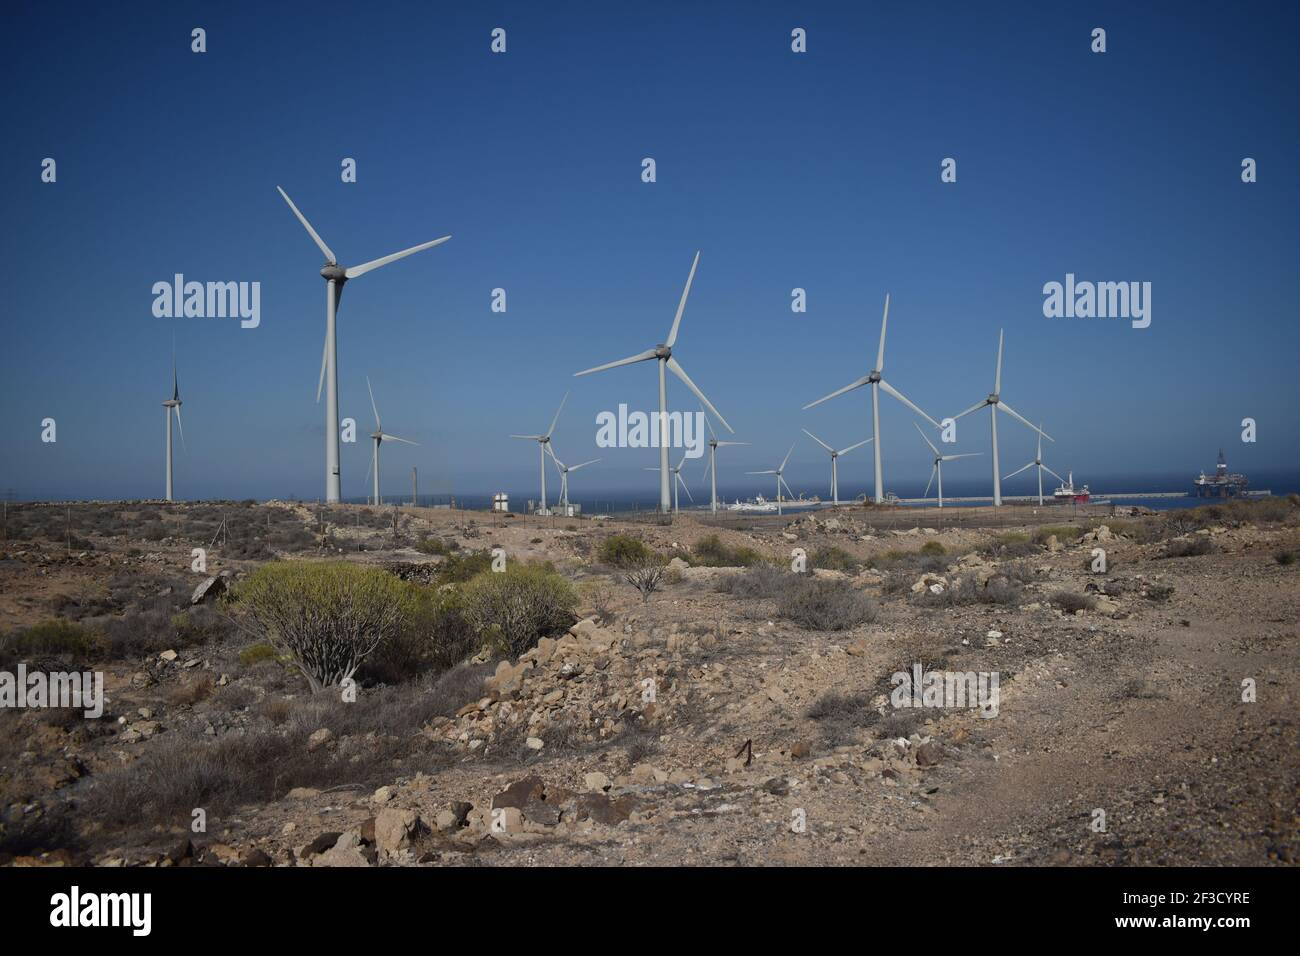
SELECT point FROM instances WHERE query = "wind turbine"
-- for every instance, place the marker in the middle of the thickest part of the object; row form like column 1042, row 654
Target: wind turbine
column 335, row 276
column 994, row 401
column 379, row 436
column 877, row 383
column 542, row 442
column 173, row 402
column 712, row 469
column 564, row 475
column 663, row 354
column 835, row 455
column 678, row 481
column 1038, row 461
column 779, row 480
column 939, row 459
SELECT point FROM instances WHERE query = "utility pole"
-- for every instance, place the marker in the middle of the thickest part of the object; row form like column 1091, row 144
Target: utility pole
column 415, row 486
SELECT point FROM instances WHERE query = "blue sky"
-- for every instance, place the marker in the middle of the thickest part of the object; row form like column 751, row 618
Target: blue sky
column 818, row 171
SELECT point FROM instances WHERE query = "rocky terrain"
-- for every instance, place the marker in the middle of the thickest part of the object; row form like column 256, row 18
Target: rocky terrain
column 716, row 721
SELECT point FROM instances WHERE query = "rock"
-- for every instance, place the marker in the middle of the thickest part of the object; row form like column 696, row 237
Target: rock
column 520, row 793
column 320, row 844
column 168, row 656
column 319, row 738
column 507, row 820
column 445, row 820
column 596, row 781
column 800, row 750
column 394, row 829
column 1052, row 543
column 461, row 811
column 346, row 852
column 534, row 743
column 210, row 588
column 928, row 755
column 600, row 808
column 255, row 857
column 382, row 795
column 678, row 564
column 302, row 793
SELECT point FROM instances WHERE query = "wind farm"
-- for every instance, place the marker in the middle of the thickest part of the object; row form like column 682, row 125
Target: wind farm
column 656, row 644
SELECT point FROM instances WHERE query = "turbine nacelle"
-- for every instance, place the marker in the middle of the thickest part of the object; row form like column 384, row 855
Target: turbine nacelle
column 663, row 351
column 334, row 271
column 993, row 398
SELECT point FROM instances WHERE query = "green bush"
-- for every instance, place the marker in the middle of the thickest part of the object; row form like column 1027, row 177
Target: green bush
column 625, row 551
column 933, row 548
column 327, row 617
column 511, row 610
column 1189, row 548
column 1070, row 602
column 54, row 638
column 436, row 638
column 430, row 545
column 256, row 653
column 459, row 568
column 834, row 558
column 711, row 552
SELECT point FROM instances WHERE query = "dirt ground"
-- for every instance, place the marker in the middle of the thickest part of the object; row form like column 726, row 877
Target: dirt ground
column 701, row 726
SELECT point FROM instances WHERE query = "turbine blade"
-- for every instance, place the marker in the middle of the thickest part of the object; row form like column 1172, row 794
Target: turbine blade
column 712, row 433
column 781, row 481
column 374, row 450
column 865, row 441
column 353, row 271
column 906, row 401
column 179, row 426
column 1016, row 415
column 531, row 437
column 973, row 408
column 933, row 469
column 847, row 388
column 1018, row 471
column 817, row 440
column 676, row 368
column 880, row 354
column 639, row 357
column 329, row 256
column 406, row 441
column 786, row 459
column 583, row 464
column 997, row 378
column 373, row 406
column 324, row 357
column 968, row 454
column 1054, row 474
column 685, row 488
column 681, row 306
column 721, row 443
column 770, row 471
column 927, row 440
column 708, row 467
column 557, row 415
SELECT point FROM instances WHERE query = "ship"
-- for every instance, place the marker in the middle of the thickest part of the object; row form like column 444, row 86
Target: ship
column 1221, row 484
column 1066, row 491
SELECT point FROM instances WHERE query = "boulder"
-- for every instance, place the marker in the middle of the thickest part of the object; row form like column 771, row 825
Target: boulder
column 394, row 829
column 209, row 589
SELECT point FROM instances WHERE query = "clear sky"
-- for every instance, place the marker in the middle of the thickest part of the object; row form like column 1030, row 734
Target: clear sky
column 818, row 170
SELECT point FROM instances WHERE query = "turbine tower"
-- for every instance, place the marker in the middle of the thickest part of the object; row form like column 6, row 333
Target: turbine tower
column 877, row 383
column 173, row 402
column 712, row 469
column 663, row 354
column 335, row 276
column 678, row 481
column 835, row 455
column 564, row 476
column 542, row 442
column 779, row 479
column 994, row 401
column 379, row 436
column 1038, row 461
column 939, row 459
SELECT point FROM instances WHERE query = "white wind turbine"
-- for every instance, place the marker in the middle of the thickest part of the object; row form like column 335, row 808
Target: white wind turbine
column 994, row 402
column 877, row 383
column 939, row 459
column 835, row 455
column 542, row 442
column 1038, row 461
column 712, row 469
column 564, row 475
column 379, row 436
column 678, row 481
column 779, row 479
column 335, row 276
column 663, row 354
column 173, row 402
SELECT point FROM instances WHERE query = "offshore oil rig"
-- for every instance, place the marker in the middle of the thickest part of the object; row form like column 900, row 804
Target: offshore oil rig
column 1220, row 484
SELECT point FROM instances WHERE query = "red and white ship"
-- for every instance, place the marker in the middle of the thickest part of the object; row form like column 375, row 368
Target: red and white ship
column 1067, row 492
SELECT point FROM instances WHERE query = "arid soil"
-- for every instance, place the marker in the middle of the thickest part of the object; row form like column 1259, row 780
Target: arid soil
column 698, row 726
